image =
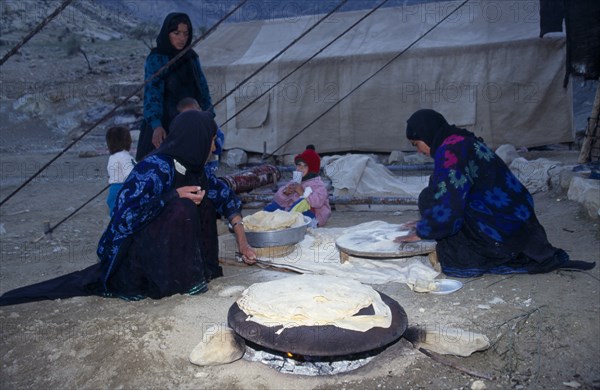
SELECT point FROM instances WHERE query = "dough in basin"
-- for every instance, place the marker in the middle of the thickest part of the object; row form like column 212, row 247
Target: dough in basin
column 264, row 221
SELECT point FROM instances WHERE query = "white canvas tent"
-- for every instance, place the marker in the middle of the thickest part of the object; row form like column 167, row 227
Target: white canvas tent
column 484, row 68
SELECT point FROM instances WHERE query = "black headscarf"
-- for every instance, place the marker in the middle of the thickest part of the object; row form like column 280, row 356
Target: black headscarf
column 432, row 128
column 190, row 139
column 183, row 69
column 170, row 24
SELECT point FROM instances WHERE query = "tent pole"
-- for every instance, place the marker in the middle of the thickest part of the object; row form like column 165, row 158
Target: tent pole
column 591, row 131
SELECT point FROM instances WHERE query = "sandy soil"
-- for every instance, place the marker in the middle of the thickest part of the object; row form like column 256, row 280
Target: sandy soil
column 544, row 329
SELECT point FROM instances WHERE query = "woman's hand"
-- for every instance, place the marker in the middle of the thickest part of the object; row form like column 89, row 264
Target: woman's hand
column 411, row 225
column 293, row 187
column 410, row 237
column 195, row 193
column 248, row 254
column 158, row 136
column 289, row 189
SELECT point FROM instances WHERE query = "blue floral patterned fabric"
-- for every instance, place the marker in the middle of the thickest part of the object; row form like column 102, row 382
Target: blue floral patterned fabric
column 145, row 193
column 472, row 185
column 481, row 215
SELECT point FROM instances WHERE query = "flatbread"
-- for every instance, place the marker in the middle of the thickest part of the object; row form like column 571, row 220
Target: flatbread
column 264, row 221
column 314, row 300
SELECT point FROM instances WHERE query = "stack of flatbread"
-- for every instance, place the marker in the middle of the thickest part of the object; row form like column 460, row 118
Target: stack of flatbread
column 313, row 300
column 265, row 221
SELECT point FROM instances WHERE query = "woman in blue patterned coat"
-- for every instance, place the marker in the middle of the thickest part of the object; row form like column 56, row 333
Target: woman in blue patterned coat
column 162, row 237
column 480, row 214
column 182, row 79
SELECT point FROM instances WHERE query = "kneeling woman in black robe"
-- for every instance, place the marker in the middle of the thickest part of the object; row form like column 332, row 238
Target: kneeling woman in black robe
column 162, row 237
column 479, row 213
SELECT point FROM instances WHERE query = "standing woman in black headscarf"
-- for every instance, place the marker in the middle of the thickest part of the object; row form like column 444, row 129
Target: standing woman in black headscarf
column 479, row 213
column 182, row 79
column 161, row 239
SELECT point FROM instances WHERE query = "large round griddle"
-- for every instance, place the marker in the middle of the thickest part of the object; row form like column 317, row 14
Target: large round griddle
column 380, row 243
column 327, row 340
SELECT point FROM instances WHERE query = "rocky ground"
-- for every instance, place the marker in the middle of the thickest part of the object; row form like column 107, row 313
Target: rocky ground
column 544, row 329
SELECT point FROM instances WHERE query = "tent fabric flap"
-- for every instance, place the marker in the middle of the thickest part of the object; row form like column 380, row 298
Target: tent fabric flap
column 484, row 68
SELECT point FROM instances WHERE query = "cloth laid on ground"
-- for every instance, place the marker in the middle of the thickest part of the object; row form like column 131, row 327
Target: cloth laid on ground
column 318, row 254
column 535, row 175
column 360, row 175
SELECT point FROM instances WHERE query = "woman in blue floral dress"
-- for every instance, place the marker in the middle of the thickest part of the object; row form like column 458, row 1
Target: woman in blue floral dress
column 482, row 217
column 162, row 237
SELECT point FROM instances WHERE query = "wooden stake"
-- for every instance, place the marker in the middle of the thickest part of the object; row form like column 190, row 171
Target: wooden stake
column 590, row 133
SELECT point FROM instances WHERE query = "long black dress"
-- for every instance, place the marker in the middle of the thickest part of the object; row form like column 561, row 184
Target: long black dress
column 156, row 243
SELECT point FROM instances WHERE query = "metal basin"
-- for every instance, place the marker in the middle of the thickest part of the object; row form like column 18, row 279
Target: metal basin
column 281, row 237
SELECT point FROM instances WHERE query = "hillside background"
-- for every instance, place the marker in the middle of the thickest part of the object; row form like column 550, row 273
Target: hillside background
column 92, row 55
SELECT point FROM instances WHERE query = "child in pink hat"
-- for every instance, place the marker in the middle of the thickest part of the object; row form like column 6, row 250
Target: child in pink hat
column 307, row 193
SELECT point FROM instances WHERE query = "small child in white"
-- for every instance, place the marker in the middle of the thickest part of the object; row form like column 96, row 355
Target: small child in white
column 120, row 162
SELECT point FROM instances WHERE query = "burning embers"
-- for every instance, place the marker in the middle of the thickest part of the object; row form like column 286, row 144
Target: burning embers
column 289, row 363
column 323, row 326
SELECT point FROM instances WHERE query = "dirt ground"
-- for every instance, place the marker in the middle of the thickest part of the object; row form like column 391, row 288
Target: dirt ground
column 544, row 329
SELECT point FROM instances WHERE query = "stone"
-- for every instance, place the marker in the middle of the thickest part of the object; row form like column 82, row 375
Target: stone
column 124, row 89
column 396, row 156
column 257, row 159
column 219, row 345
column 88, row 152
column 478, row 385
column 454, row 341
column 535, row 175
column 124, row 120
column 507, row 153
column 561, row 180
column 31, row 104
column 417, row 158
column 234, row 157
column 586, row 192
column 288, row 159
column 135, row 136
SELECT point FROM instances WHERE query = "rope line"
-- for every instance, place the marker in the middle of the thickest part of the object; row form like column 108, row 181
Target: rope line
column 305, row 62
column 112, row 111
column 367, row 79
column 51, row 229
column 341, row 3
column 33, row 32
column 173, row 60
column 203, row 36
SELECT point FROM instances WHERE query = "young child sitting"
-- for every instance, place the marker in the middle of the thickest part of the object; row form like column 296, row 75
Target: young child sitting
column 307, row 195
column 120, row 162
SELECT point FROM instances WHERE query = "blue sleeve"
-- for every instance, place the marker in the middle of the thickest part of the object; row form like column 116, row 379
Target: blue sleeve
column 442, row 203
column 154, row 90
column 205, row 100
column 219, row 142
column 143, row 195
column 225, row 200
